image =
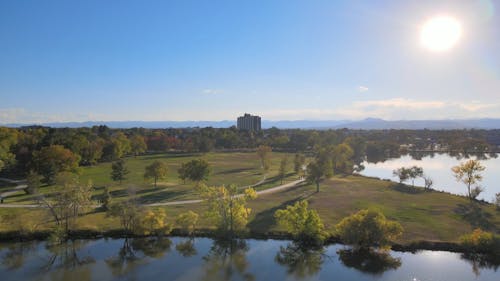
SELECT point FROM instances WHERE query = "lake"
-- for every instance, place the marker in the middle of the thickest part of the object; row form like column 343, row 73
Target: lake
column 438, row 167
column 178, row 258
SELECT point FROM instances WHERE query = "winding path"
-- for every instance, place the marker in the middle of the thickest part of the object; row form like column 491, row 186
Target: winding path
column 170, row 203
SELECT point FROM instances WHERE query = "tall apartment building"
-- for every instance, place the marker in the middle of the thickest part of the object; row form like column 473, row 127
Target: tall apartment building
column 249, row 122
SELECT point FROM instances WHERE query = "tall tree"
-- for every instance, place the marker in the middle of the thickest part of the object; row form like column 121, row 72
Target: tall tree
column 119, row 171
column 196, row 170
column 137, row 145
column 342, row 158
column 415, row 172
column 264, row 152
column 283, row 168
column 51, row 160
column 316, row 172
column 156, row 170
column 8, row 138
column 469, row 173
column 226, row 208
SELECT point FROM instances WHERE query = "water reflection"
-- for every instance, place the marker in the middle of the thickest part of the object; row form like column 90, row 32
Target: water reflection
column 186, row 248
column 134, row 251
column 482, row 261
column 301, row 261
column 369, row 261
column 16, row 254
column 226, row 260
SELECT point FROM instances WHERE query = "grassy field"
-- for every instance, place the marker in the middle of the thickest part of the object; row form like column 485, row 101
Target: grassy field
column 242, row 169
column 432, row 216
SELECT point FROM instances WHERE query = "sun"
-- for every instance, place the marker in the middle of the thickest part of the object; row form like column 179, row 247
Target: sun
column 440, row 33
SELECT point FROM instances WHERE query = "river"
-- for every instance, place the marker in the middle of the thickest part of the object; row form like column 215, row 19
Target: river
column 438, row 167
column 178, row 258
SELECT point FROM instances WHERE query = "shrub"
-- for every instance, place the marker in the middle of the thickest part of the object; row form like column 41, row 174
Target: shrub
column 304, row 224
column 368, row 228
column 187, row 221
column 481, row 241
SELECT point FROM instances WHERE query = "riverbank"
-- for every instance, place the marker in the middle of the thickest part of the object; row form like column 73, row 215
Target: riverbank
column 431, row 220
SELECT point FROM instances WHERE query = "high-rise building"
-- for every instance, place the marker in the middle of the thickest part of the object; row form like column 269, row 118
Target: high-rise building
column 249, row 122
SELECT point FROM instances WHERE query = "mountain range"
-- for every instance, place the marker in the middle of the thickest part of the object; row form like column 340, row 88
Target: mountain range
column 365, row 124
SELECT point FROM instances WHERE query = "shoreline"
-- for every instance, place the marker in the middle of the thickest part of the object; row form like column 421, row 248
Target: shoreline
column 413, row 246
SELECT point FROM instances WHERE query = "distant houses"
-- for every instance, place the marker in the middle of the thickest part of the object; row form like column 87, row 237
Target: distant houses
column 249, row 122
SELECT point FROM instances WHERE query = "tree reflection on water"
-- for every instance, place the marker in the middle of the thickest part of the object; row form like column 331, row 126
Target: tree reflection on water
column 16, row 254
column 226, row 260
column 369, row 261
column 301, row 260
column 482, row 261
column 186, row 248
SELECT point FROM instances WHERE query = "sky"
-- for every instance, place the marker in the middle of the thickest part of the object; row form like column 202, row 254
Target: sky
column 103, row 60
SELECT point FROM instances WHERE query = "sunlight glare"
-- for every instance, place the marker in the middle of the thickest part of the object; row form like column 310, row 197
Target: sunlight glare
column 440, row 33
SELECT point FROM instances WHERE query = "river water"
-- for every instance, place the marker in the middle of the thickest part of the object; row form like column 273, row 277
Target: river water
column 178, row 258
column 438, row 167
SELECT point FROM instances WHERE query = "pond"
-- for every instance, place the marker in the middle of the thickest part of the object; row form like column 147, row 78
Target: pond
column 178, row 258
column 438, row 167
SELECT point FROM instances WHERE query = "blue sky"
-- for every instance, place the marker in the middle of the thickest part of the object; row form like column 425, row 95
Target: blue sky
column 214, row 60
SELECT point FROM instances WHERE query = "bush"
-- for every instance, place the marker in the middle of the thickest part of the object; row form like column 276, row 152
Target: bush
column 368, row 228
column 187, row 221
column 481, row 241
column 302, row 223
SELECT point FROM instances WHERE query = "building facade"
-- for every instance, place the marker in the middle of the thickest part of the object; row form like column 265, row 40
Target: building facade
column 249, row 122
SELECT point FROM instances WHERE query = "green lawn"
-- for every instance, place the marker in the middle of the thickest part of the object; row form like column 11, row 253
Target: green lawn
column 424, row 215
column 242, row 169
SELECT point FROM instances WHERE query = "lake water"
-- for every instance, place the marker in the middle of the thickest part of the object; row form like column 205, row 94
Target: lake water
column 205, row 259
column 438, row 167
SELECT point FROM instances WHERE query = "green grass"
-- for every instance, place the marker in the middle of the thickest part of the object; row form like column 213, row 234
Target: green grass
column 241, row 169
column 424, row 215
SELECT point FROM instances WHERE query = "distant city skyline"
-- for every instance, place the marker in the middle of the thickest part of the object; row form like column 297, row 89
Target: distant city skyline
column 93, row 60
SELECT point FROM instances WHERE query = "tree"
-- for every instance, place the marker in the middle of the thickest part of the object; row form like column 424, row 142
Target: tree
column 415, row 172
column 196, row 170
column 33, row 182
column 368, row 228
column 283, row 168
column 226, row 208
column 428, row 182
column 119, row 171
column 402, row 173
column 8, row 138
column 264, row 151
column 105, row 198
column 315, row 172
column 298, row 163
column 303, row 223
column 51, row 160
column 137, row 145
column 497, row 200
column 128, row 213
column 154, row 222
column 156, row 170
column 68, row 203
column 187, row 221
column 342, row 158
column 469, row 173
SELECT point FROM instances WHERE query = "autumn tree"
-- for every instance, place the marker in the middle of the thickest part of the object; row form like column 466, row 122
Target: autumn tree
column 469, row 173
column 187, row 221
column 283, row 168
column 368, row 228
column 264, row 153
column 153, row 222
column 137, row 145
column 51, row 160
column 119, row 171
column 226, row 208
column 66, row 205
column 129, row 214
column 196, row 170
column 156, row 171
column 33, row 182
column 303, row 223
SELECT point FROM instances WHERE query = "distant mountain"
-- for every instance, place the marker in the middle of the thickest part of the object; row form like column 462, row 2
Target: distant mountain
column 366, row 124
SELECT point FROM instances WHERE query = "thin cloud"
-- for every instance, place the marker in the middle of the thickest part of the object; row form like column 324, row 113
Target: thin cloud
column 211, row 91
column 362, row 89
